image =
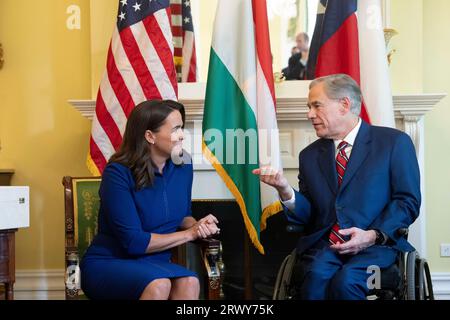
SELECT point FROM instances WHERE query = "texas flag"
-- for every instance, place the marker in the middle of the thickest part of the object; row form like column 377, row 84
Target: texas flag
column 348, row 38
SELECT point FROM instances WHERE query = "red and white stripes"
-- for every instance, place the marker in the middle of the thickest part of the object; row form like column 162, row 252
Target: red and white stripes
column 139, row 67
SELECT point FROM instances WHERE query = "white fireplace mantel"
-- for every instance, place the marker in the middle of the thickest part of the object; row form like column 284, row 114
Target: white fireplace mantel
column 291, row 102
column 295, row 134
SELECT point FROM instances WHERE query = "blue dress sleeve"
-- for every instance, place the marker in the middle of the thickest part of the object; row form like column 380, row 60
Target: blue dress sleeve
column 120, row 210
column 189, row 193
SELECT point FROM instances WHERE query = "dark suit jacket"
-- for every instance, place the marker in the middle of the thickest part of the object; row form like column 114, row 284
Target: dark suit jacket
column 295, row 69
column 380, row 189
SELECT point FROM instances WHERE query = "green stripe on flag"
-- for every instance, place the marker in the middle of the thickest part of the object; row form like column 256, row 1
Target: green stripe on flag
column 227, row 109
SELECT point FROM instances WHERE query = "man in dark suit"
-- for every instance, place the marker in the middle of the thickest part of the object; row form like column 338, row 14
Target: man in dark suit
column 296, row 69
column 358, row 184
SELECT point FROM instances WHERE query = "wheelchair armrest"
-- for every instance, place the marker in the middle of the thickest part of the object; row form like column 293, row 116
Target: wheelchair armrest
column 402, row 232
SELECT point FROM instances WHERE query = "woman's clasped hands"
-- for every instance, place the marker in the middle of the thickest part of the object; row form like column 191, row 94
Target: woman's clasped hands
column 206, row 227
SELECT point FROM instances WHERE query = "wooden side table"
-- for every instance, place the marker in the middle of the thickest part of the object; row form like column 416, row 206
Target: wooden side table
column 5, row 176
column 7, row 247
column 7, row 261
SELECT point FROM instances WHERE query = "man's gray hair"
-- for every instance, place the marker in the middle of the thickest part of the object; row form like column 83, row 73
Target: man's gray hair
column 339, row 86
column 305, row 36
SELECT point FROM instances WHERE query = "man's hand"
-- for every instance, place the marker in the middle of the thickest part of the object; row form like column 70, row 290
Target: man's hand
column 360, row 240
column 275, row 179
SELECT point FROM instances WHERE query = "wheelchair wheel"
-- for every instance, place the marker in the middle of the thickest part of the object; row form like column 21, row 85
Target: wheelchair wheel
column 276, row 290
column 429, row 284
column 411, row 276
column 420, row 283
column 283, row 281
column 418, row 278
column 424, row 285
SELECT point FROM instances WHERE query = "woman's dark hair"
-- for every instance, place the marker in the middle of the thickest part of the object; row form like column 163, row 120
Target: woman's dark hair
column 135, row 150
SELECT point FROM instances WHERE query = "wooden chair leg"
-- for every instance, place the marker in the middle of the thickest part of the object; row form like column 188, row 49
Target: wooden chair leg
column 213, row 283
column 9, row 291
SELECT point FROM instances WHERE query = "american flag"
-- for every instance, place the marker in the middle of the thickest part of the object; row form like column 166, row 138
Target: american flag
column 140, row 66
column 184, row 41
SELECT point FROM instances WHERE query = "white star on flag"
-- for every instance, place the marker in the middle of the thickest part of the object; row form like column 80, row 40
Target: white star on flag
column 187, row 3
column 187, row 20
column 139, row 67
column 137, row 7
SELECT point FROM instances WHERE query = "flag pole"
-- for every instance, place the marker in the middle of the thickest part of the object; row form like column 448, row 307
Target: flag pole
column 248, row 275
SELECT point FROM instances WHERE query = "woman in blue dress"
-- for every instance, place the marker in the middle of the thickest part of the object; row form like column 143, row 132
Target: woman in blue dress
column 145, row 210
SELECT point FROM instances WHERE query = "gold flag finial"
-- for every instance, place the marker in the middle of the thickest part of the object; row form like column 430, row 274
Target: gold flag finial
column 278, row 77
column 388, row 34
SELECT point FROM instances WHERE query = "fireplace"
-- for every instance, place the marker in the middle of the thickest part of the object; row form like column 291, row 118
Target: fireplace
column 248, row 274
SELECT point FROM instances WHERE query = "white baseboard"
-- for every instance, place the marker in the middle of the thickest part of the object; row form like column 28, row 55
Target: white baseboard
column 441, row 285
column 39, row 285
column 49, row 285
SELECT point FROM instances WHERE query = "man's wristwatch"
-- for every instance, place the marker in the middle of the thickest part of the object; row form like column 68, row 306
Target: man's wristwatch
column 379, row 240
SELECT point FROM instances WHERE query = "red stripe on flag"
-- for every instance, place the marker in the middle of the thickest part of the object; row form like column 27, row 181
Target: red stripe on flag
column 177, row 31
column 107, row 122
column 169, row 15
column 192, row 75
column 133, row 61
column 176, row 9
column 139, row 66
column 178, row 52
column 340, row 54
column 364, row 115
column 120, row 89
column 162, row 48
column 97, row 155
column 263, row 42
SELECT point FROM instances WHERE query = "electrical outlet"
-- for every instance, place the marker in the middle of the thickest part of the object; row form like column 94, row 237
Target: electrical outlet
column 445, row 249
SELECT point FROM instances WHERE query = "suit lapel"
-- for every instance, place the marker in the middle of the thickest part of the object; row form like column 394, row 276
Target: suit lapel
column 327, row 164
column 360, row 151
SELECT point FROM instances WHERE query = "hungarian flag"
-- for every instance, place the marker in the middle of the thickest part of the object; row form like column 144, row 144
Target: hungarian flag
column 348, row 38
column 240, row 131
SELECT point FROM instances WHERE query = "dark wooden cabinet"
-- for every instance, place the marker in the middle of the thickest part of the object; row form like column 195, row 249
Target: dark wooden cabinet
column 7, row 262
column 7, row 248
column 5, row 176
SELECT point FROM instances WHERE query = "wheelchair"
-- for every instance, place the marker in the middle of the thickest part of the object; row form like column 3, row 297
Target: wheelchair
column 407, row 279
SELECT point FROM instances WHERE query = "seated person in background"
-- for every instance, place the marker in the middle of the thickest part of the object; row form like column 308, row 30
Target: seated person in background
column 145, row 199
column 358, row 184
column 294, row 50
column 296, row 69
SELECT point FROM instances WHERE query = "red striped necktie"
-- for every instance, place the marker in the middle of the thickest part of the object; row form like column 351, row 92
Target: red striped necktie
column 341, row 164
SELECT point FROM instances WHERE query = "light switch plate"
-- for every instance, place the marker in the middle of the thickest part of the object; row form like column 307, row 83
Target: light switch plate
column 445, row 249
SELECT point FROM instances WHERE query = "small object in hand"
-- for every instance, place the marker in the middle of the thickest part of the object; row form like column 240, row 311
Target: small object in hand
column 335, row 237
